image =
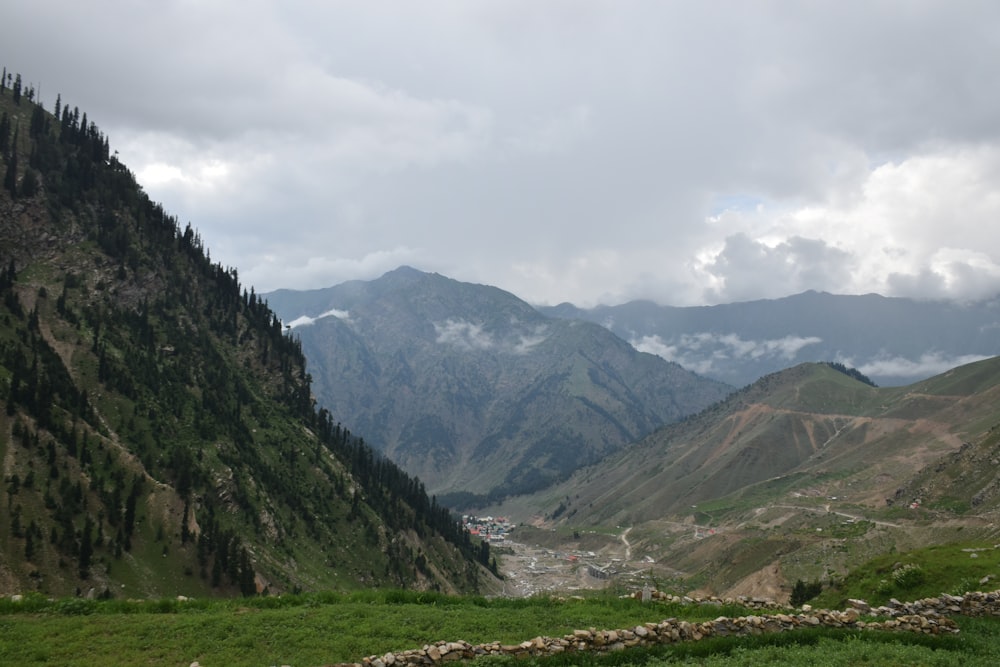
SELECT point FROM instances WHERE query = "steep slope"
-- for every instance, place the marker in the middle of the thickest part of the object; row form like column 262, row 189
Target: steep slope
column 809, row 428
column 895, row 341
column 474, row 391
column 159, row 435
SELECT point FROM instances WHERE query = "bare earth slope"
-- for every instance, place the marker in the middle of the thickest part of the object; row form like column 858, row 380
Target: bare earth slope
column 799, row 474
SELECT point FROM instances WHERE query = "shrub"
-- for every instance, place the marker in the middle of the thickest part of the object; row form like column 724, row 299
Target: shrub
column 908, row 576
column 803, row 592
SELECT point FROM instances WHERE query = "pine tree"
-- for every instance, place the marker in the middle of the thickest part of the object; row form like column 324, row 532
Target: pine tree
column 29, row 184
column 10, row 177
column 4, row 133
column 248, row 583
column 86, row 549
column 29, row 545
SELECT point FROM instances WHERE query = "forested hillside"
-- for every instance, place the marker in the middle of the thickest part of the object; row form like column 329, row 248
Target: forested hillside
column 159, row 435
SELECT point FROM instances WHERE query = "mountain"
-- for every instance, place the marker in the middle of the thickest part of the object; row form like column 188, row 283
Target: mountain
column 894, row 341
column 473, row 390
column 159, row 435
column 803, row 473
column 810, row 425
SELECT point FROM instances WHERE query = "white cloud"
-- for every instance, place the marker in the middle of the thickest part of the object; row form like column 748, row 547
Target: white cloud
column 706, row 352
column 526, row 342
column 305, row 320
column 928, row 364
column 463, row 335
column 471, row 336
column 923, row 227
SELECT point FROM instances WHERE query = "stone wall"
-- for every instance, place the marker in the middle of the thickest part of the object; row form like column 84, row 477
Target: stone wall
column 970, row 604
column 928, row 616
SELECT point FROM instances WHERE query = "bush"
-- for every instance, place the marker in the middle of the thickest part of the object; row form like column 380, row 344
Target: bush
column 803, row 592
column 908, row 576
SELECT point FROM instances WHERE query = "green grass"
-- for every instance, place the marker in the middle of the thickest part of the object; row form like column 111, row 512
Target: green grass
column 324, row 628
column 950, row 568
column 808, row 648
column 299, row 630
column 811, row 648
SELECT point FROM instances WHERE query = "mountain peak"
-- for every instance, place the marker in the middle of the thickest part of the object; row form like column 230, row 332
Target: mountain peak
column 404, row 271
column 476, row 392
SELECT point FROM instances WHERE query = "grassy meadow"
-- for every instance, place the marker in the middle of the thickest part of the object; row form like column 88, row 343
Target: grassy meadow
column 310, row 630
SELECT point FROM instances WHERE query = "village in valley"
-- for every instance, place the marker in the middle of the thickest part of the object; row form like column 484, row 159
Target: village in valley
column 532, row 568
column 490, row 529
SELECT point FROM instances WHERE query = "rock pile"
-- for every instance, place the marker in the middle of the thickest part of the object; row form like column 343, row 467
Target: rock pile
column 741, row 600
column 970, row 604
column 664, row 632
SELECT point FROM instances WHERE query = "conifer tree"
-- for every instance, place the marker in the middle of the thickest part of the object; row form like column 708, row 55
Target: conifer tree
column 29, row 184
column 10, row 177
column 4, row 133
column 29, row 545
column 86, row 548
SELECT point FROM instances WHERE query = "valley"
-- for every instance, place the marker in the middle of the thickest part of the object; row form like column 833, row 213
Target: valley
column 161, row 435
column 758, row 554
column 541, row 561
column 809, row 524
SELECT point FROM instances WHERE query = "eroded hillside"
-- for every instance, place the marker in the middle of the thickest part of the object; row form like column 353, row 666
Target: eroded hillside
column 798, row 475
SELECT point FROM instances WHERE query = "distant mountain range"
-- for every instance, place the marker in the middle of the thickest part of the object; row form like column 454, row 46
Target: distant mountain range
column 472, row 389
column 893, row 341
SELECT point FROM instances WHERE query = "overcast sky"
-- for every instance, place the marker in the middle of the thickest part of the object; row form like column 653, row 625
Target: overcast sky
column 685, row 152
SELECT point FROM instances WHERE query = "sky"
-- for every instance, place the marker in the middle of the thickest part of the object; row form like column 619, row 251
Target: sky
column 564, row 150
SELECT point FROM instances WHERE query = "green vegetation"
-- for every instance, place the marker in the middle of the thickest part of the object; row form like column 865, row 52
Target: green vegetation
column 851, row 372
column 324, row 628
column 158, row 432
column 812, row 648
column 926, row 572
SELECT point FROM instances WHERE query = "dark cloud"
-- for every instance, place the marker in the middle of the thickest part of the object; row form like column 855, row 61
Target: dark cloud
column 562, row 150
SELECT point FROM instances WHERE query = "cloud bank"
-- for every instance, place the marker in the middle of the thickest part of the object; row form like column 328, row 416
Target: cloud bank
column 706, row 353
column 688, row 153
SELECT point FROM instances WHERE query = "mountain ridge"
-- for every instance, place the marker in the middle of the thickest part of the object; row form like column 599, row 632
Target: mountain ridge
column 893, row 340
column 504, row 397
column 808, row 415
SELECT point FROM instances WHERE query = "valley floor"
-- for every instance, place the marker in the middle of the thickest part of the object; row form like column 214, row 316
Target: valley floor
column 533, row 567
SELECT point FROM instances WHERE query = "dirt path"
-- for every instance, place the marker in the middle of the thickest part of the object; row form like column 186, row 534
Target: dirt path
column 856, row 517
column 628, row 547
